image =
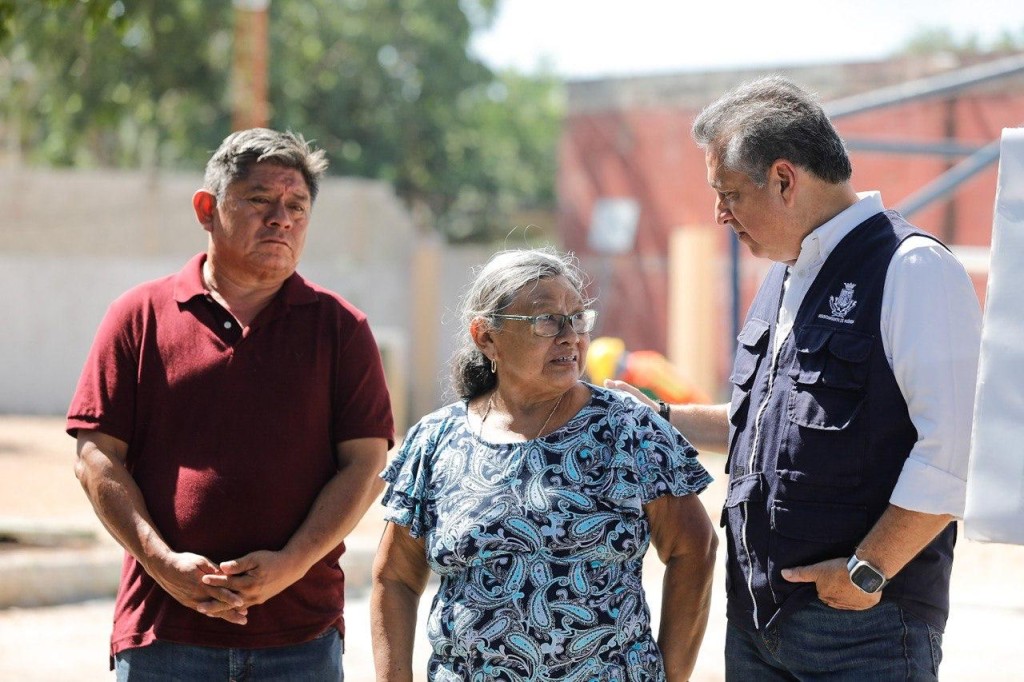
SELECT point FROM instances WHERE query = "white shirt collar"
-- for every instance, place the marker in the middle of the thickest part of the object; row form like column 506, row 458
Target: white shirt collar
column 817, row 246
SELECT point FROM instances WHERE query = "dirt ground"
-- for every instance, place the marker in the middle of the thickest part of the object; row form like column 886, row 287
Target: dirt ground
column 37, row 480
column 38, row 486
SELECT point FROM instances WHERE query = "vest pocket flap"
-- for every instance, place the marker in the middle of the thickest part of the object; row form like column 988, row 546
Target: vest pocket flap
column 850, row 347
column 744, row 367
column 806, row 375
column 824, row 409
column 831, row 357
column 740, row 398
column 748, row 355
column 752, row 333
column 746, row 488
column 819, row 521
column 810, row 339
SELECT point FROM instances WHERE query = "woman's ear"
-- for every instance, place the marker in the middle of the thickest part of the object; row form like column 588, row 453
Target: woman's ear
column 483, row 335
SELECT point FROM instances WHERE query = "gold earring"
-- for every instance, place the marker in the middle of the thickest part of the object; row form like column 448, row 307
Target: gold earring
column 494, row 366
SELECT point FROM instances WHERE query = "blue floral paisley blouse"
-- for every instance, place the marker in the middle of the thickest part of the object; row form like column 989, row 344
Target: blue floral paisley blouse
column 540, row 544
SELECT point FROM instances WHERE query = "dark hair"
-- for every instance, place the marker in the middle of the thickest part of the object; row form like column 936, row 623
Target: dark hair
column 760, row 122
column 241, row 151
column 494, row 288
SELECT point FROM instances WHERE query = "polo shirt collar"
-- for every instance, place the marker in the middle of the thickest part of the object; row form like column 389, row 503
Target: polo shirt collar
column 188, row 284
column 297, row 291
column 817, row 246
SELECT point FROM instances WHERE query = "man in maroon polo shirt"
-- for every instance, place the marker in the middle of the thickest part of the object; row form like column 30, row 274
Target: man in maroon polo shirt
column 231, row 421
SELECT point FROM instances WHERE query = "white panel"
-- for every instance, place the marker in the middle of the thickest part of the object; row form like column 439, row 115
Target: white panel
column 613, row 225
column 995, row 487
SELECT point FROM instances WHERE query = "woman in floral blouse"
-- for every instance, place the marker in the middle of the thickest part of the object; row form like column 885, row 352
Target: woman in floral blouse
column 535, row 498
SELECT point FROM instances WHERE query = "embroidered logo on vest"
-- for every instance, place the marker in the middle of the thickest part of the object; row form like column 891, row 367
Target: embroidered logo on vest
column 841, row 305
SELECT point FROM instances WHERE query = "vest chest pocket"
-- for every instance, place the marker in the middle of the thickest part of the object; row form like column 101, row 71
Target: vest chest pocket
column 829, row 377
column 752, row 347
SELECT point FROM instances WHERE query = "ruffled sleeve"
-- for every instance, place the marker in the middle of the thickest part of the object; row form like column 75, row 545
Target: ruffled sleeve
column 407, row 498
column 651, row 458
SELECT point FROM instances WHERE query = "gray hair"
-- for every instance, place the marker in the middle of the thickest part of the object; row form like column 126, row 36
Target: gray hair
column 242, row 150
column 494, row 289
column 771, row 118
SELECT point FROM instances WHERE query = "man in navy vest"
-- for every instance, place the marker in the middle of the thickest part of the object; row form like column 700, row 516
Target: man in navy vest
column 852, row 393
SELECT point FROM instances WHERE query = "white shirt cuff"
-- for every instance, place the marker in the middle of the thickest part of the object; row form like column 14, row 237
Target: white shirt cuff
column 923, row 488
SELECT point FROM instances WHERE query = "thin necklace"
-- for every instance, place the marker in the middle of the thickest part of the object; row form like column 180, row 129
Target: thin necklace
column 490, row 404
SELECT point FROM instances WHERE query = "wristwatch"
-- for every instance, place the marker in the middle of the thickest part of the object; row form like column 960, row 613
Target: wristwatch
column 865, row 576
column 664, row 411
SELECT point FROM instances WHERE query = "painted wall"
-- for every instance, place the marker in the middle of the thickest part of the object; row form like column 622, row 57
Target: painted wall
column 630, row 138
column 73, row 241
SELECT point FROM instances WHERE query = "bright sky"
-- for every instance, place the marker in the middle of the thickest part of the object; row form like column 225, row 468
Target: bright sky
column 594, row 38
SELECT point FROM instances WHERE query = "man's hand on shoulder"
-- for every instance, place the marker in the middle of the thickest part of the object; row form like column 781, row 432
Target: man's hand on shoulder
column 832, row 579
column 625, row 387
column 257, row 576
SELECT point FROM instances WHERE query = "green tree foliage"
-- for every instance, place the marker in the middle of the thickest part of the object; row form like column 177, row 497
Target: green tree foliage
column 931, row 40
column 92, row 12
column 386, row 87
column 510, row 128
column 141, row 89
column 1010, row 41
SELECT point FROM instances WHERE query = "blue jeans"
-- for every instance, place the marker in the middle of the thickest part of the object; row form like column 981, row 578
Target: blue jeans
column 316, row 661
column 821, row 643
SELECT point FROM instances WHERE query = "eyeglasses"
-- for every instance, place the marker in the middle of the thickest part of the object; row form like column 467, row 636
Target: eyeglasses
column 551, row 324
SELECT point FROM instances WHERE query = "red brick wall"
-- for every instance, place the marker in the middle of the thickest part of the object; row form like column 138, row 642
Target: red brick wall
column 646, row 153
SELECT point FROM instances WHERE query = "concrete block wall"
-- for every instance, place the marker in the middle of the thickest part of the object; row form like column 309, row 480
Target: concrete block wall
column 72, row 241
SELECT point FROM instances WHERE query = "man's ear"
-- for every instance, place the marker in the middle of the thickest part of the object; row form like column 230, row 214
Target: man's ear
column 784, row 175
column 205, row 206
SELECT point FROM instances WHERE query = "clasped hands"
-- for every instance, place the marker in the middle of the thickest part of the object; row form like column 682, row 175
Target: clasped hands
column 225, row 590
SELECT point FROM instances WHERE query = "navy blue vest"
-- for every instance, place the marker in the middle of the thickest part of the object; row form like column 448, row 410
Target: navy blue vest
column 817, row 442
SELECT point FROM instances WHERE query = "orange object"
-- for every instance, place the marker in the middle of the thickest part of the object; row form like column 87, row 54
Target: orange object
column 605, row 359
column 653, row 374
column 648, row 370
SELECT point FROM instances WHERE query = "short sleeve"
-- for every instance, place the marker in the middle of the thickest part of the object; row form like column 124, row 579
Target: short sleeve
column 407, row 496
column 651, row 458
column 362, row 408
column 105, row 399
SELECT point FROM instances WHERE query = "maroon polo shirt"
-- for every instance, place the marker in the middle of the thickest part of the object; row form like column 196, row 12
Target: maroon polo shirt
column 231, row 436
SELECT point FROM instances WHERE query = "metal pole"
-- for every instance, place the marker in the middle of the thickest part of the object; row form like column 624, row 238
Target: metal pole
column 952, row 178
column 923, row 88
column 947, row 148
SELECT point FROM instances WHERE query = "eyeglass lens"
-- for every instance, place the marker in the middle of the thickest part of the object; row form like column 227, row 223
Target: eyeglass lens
column 551, row 325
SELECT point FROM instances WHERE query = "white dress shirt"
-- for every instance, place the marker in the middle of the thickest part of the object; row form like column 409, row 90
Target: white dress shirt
column 931, row 333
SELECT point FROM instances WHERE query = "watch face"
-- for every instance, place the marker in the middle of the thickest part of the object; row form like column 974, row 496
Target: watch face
column 867, row 579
